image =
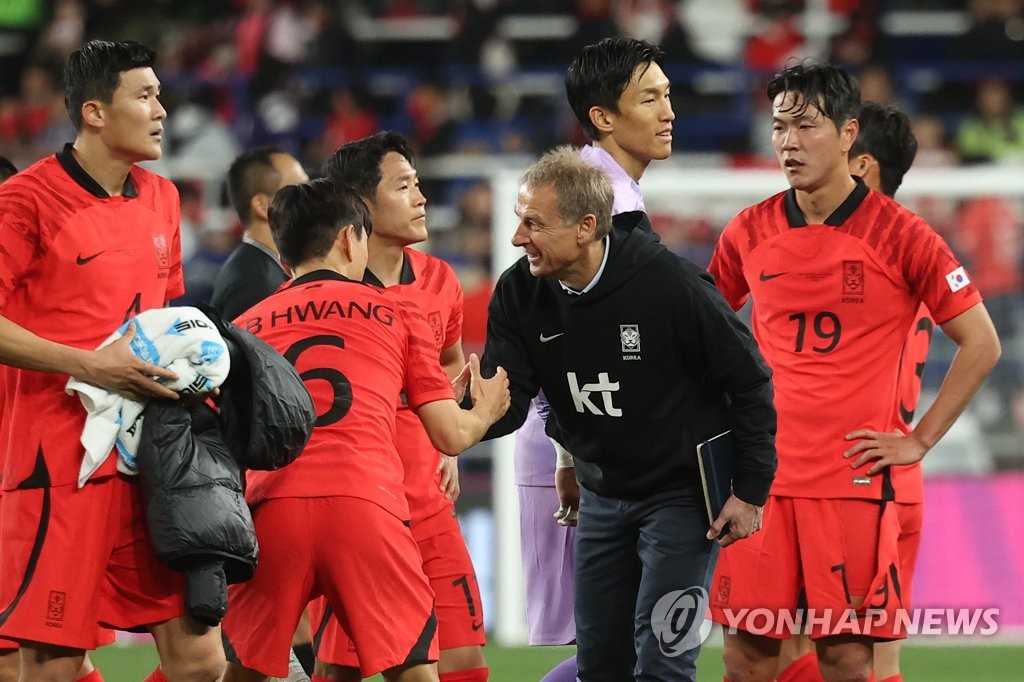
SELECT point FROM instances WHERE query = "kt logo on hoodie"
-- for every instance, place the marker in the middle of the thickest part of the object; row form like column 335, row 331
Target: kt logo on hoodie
column 603, row 386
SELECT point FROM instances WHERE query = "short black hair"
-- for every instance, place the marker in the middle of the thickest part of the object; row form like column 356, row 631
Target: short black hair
column 886, row 134
column 305, row 219
column 94, row 72
column 357, row 164
column 7, row 169
column 599, row 74
column 828, row 88
column 251, row 173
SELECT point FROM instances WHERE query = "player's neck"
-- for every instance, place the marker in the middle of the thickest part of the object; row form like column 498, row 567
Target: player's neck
column 259, row 231
column 633, row 166
column 96, row 159
column 331, row 263
column 385, row 260
column 818, row 204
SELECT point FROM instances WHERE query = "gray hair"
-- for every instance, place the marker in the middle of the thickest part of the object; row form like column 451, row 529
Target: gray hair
column 581, row 187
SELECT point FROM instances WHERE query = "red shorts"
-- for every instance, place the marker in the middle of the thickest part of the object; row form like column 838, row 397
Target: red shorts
column 829, row 551
column 74, row 560
column 358, row 556
column 911, row 519
column 447, row 565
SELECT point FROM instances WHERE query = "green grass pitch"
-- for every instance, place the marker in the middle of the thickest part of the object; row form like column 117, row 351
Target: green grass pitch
column 932, row 663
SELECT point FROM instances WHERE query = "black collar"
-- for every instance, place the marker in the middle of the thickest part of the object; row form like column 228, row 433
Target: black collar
column 407, row 276
column 796, row 218
column 70, row 164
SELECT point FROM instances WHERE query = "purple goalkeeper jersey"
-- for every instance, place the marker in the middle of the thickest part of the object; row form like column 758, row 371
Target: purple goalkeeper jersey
column 626, row 190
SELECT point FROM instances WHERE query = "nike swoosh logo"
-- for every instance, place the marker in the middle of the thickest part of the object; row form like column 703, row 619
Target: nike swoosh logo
column 765, row 278
column 545, row 339
column 906, row 415
column 83, row 260
column 476, row 626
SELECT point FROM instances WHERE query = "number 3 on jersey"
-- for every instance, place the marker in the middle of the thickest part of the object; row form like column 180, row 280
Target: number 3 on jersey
column 341, row 387
column 826, row 329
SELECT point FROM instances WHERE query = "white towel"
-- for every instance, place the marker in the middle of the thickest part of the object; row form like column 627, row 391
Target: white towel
column 183, row 340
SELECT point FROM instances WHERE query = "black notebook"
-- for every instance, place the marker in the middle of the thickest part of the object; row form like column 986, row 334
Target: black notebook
column 716, row 458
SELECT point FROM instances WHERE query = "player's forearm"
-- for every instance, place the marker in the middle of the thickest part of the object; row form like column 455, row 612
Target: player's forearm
column 21, row 348
column 465, row 429
column 972, row 363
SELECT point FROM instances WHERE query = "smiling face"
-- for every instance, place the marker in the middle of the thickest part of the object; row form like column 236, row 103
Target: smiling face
column 809, row 147
column 642, row 127
column 398, row 210
column 552, row 246
column 132, row 122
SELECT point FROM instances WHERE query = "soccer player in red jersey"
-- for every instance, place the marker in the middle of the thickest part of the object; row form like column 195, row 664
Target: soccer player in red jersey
column 89, row 240
column 335, row 522
column 837, row 274
column 380, row 169
column 882, row 154
column 10, row 659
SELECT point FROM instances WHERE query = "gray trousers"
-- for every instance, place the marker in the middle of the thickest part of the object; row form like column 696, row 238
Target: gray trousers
column 629, row 555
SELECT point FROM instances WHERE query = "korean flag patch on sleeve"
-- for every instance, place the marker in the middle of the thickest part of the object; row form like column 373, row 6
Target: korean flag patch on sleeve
column 957, row 279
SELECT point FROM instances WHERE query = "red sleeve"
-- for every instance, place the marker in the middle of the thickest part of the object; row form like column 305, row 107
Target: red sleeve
column 176, row 276
column 935, row 274
column 20, row 236
column 727, row 265
column 454, row 330
column 425, row 380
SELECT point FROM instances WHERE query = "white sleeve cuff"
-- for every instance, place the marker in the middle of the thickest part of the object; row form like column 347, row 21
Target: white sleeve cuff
column 563, row 460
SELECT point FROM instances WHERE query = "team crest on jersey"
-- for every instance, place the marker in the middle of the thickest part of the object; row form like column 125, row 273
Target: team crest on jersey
column 629, row 338
column 853, row 281
column 437, row 325
column 724, row 589
column 163, row 254
column 55, row 607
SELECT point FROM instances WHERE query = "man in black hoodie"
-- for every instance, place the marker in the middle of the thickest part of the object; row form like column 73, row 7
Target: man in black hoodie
column 641, row 359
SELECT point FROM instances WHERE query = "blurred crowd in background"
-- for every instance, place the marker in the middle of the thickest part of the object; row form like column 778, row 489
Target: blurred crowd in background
column 469, row 80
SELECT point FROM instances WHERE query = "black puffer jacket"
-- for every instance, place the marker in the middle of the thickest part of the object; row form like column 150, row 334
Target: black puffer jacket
column 192, row 464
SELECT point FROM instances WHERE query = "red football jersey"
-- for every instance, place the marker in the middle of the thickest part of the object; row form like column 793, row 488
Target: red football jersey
column 431, row 284
column 74, row 265
column 358, row 348
column 833, row 307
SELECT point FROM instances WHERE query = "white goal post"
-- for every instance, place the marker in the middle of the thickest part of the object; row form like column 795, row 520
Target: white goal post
column 715, row 194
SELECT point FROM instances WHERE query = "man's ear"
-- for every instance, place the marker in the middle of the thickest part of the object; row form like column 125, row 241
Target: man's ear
column 859, row 164
column 586, row 229
column 346, row 240
column 93, row 114
column 259, row 205
column 848, row 134
column 601, row 119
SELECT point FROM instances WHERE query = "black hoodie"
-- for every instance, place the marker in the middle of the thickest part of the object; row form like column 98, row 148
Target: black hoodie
column 638, row 371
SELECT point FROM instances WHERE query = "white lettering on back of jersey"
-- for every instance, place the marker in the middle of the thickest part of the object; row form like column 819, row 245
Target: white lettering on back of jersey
column 581, row 395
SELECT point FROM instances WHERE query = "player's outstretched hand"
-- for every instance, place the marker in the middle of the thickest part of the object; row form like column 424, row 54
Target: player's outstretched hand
column 568, row 490
column 885, row 449
column 448, row 467
column 116, row 368
column 491, row 396
column 738, row 520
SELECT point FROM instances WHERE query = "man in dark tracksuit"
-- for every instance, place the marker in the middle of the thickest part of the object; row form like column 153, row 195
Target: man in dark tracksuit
column 641, row 359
